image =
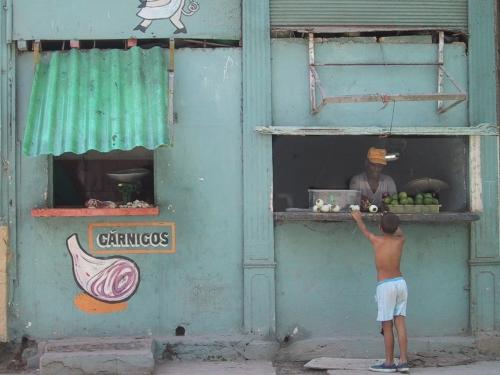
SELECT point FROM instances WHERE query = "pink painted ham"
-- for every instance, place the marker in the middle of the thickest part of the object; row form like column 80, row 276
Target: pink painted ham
column 107, row 279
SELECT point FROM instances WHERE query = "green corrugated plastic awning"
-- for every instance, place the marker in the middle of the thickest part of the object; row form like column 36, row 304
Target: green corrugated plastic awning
column 100, row 100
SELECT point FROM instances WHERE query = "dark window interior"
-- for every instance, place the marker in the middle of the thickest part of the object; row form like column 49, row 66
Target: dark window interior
column 77, row 178
column 329, row 162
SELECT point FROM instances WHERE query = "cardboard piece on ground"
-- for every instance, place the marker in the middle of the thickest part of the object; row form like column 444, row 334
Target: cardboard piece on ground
column 327, row 363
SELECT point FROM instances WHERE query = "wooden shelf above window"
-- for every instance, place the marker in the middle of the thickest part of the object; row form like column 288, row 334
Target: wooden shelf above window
column 79, row 212
column 438, row 130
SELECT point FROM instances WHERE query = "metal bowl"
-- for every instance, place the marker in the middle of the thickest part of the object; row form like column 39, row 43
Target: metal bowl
column 128, row 175
column 424, row 185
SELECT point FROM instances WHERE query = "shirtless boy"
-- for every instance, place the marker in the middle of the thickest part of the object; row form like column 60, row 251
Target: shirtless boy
column 391, row 288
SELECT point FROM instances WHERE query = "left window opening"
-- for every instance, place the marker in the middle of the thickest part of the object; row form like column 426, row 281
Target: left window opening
column 96, row 179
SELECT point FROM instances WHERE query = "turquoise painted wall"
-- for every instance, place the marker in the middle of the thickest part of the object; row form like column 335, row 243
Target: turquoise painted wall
column 201, row 286
column 116, row 19
column 327, row 268
column 199, row 187
column 291, row 82
column 325, row 279
column 485, row 244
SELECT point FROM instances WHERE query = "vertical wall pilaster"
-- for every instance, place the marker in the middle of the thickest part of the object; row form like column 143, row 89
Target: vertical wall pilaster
column 258, row 237
column 3, row 107
column 485, row 246
column 6, row 141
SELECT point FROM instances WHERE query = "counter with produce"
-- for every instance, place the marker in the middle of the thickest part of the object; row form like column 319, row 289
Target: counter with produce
column 410, row 207
column 308, row 215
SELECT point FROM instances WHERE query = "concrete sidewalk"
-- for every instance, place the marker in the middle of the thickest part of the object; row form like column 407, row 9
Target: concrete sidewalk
column 266, row 368
column 478, row 368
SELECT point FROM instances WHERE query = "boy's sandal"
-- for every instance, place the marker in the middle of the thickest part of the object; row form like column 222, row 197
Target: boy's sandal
column 384, row 368
column 404, row 368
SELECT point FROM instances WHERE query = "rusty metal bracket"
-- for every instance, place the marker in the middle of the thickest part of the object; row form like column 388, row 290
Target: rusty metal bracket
column 132, row 42
column 73, row 43
column 37, row 51
column 440, row 96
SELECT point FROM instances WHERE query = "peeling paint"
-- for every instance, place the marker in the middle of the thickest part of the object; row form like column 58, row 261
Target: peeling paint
column 208, row 296
column 271, row 208
column 5, row 165
column 229, row 62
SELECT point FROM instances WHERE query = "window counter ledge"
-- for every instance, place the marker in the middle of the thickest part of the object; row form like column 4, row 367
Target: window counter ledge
column 82, row 212
column 442, row 217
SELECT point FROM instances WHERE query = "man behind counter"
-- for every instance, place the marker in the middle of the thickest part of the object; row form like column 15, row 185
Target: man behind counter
column 372, row 183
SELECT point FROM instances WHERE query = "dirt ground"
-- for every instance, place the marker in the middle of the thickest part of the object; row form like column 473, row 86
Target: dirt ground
column 7, row 358
column 442, row 359
column 13, row 359
column 13, row 355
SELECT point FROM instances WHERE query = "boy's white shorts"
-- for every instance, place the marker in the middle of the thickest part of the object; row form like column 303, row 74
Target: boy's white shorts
column 391, row 298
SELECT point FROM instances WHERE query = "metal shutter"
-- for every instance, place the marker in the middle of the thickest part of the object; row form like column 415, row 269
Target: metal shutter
column 399, row 14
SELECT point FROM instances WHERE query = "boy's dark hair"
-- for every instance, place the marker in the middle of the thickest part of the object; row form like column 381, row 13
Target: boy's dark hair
column 389, row 223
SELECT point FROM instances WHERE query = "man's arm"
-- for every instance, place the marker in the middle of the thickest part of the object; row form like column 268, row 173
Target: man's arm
column 390, row 187
column 354, row 183
column 356, row 215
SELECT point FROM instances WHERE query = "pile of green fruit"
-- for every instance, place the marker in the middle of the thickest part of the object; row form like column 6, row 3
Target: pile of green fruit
column 404, row 199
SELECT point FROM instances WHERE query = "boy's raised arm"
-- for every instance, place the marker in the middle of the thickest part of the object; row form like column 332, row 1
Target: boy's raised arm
column 356, row 215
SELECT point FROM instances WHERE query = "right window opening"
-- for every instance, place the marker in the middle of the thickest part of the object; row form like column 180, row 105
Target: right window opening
column 329, row 162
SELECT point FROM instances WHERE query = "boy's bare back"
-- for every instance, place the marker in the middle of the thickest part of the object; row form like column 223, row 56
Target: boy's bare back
column 388, row 249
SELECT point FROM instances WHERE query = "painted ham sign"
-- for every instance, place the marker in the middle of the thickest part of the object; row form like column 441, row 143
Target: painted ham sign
column 113, row 279
column 132, row 238
column 113, row 239
column 108, row 282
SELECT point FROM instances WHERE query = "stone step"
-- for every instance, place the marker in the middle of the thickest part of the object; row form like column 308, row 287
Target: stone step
column 216, row 368
column 103, row 356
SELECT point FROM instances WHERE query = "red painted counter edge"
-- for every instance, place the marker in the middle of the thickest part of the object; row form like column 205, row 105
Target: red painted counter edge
column 79, row 212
